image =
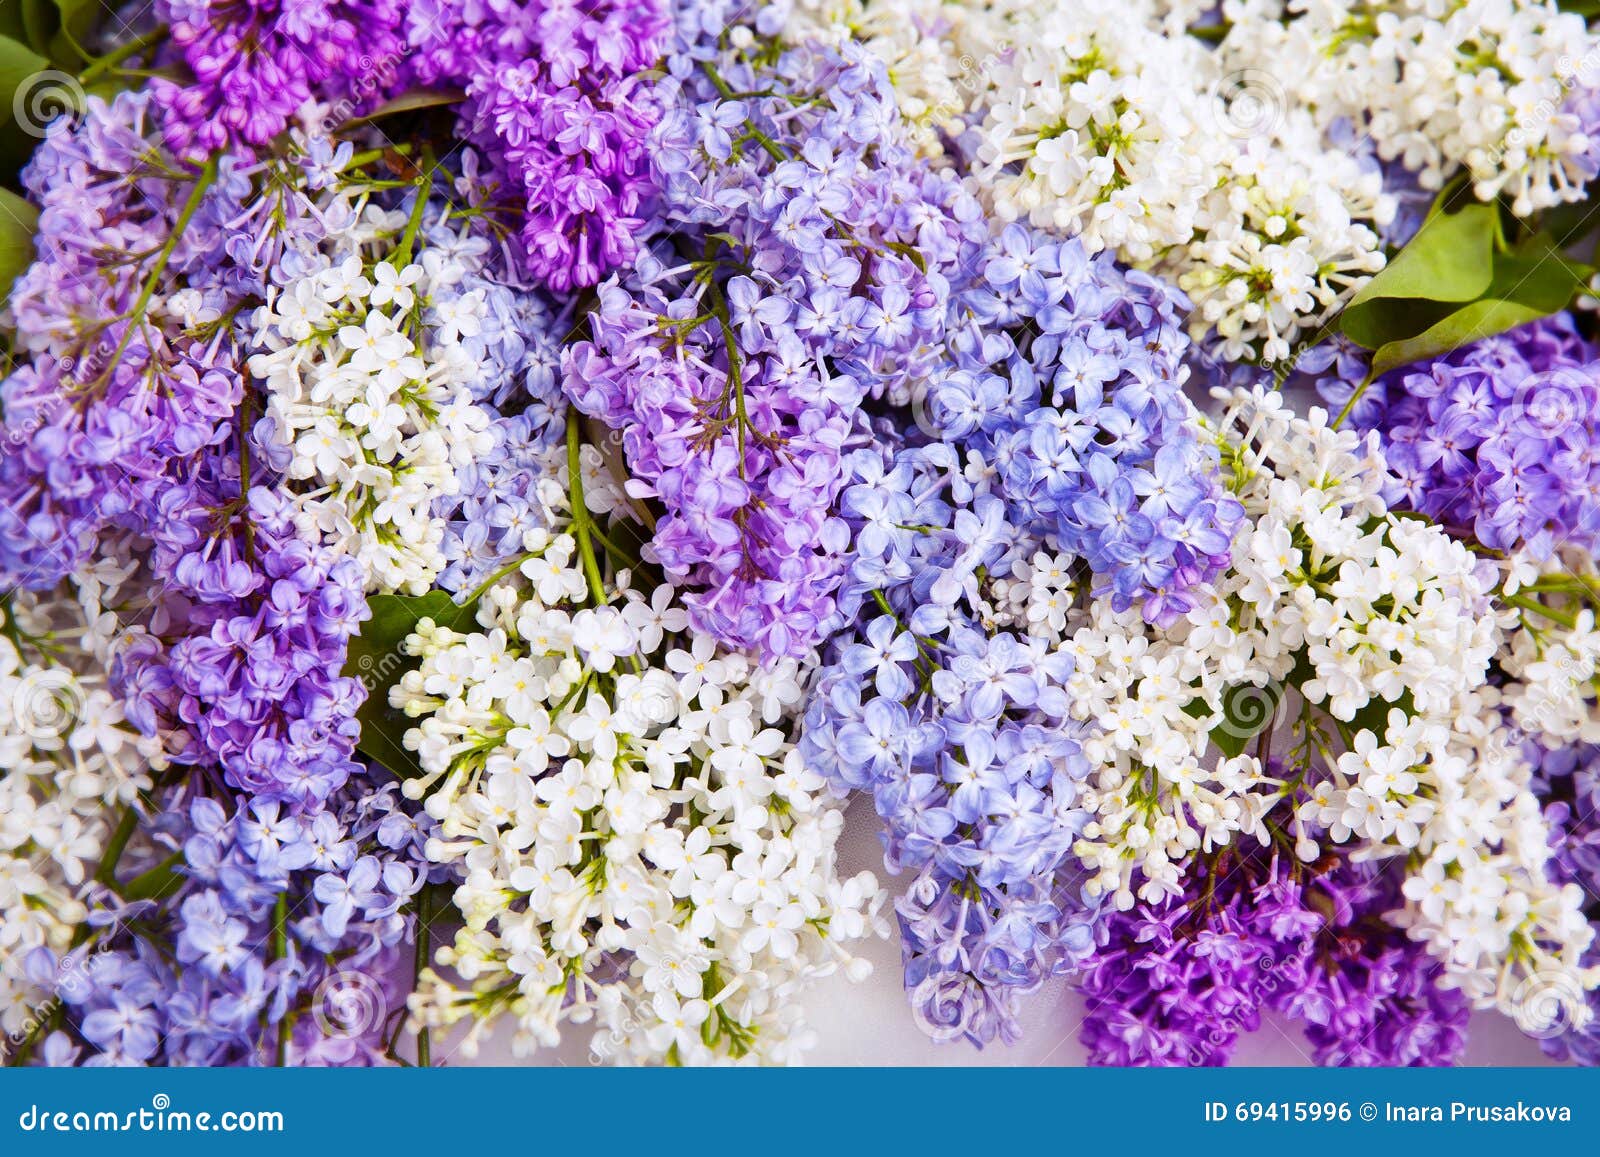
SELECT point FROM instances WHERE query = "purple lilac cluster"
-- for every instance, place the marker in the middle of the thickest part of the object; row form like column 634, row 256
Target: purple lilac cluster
column 241, row 665
column 113, row 391
column 1068, row 379
column 1583, row 102
column 556, row 105
column 123, row 416
column 1569, row 779
column 282, row 868
column 802, row 264
column 1499, row 439
column 253, row 65
column 285, row 930
column 962, row 736
column 1179, row 982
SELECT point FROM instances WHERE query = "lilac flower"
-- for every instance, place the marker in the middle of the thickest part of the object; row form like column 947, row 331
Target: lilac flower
column 111, row 394
column 255, row 63
column 1499, row 439
column 798, row 269
column 1069, row 380
column 557, row 108
column 1568, row 780
column 244, row 984
column 963, row 737
column 1178, row 982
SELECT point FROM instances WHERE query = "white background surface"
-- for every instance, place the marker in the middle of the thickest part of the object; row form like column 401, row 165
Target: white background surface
column 870, row 1023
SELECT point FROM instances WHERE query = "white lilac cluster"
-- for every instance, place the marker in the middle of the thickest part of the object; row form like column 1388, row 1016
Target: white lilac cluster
column 70, row 765
column 1399, row 631
column 1498, row 89
column 938, row 54
column 640, row 845
column 1552, row 653
column 1094, row 119
column 1358, row 643
column 369, row 380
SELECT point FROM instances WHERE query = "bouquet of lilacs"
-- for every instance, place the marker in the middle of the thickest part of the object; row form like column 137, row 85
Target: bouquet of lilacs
column 484, row 487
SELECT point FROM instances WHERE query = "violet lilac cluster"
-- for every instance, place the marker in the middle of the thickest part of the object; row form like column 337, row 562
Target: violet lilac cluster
column 962, row 736
column 1178, row 982
column 802, row 265
column 112, row 393
column 1068, row 377
column 557, row 107
column 245, row 675
column 285, row 931
column 1499, row 439
column 254, row 64
column 1569, row 779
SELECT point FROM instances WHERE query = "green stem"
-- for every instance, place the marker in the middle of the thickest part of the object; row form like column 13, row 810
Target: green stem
column 1351, row 404
column 370, row 155
column 580, row 512
column 408, row 240
column 1555, row 616
column 208, row 176
column 483, row 587
column 106, row 873
column 118, row 55
column 761, row 138
column 278, row 945
column 424, row 950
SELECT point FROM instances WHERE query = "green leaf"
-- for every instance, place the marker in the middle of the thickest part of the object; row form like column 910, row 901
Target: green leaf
column 1451, row 259
column 408, row 102
column 75, row 23
column 18, row 65
column 375, row 659
column 41, row 21
column 159, row 881
column 1479, row 320
column 1530, row 282
column 12, row 26
column 1456, row 283
column 1374, row 717
column 18, row 222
